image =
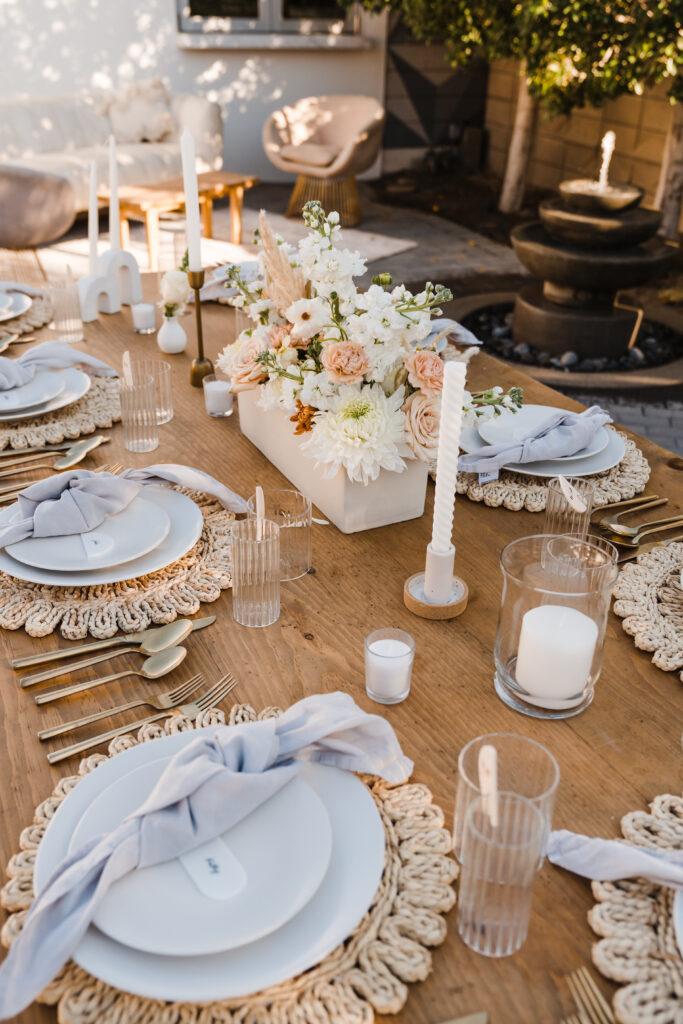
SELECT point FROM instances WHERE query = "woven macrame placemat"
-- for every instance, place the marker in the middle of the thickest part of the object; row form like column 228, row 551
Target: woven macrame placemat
column 38, row 315
column 367, row 973
column 516, row 491
column 638, row 949
column 103, row 610
column 98, row 409
column 649, row 598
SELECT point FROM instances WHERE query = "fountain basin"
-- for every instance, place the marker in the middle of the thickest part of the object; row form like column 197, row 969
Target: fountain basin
column 578, row 228
column 597, row 332
column 587, row 194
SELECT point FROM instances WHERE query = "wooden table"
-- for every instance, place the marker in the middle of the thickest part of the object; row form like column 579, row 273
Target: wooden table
column 146, row 203
column 615, row 757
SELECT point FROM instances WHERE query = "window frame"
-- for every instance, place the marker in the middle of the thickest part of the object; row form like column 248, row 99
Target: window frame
column 270, row 20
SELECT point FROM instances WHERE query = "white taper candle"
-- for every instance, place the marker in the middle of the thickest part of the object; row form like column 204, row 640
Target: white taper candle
column 93, row 221
column 191, row 201
column 114, row 241
column 452, row 398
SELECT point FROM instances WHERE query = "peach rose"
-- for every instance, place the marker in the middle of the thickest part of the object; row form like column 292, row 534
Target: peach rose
column 423, row 415
column 280, row 336
column 425, row 371
column 346, row 362
column 245, row 372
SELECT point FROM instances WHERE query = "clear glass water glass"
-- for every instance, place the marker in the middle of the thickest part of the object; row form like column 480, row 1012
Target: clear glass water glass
column 525, row 767
column 160, row 372
column 292, row 512
column 561, row 515
column 139, row 412
column 499, row 867
column 255, row 572
column 66, row 307
column 389, row 655
column 218, row 398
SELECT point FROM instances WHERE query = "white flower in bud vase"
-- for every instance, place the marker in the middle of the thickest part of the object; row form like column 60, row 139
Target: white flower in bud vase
column 175, row 291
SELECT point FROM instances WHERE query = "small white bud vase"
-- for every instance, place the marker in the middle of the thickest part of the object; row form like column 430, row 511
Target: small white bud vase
column 171, row 337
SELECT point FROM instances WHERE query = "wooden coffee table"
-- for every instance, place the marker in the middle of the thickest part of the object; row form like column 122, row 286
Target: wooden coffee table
column 146, row 203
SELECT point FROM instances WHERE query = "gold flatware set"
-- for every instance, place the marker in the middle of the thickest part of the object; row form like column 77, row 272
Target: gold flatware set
column 632, row 539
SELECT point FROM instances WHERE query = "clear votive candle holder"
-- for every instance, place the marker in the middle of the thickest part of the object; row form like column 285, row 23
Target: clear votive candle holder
column 144, row 317
column 525, row 767
column 499, row 866
column 292, row 512
column 218, row 398
column 139, row 412
column 389, row 655
column 160, row 371
column 255, row 572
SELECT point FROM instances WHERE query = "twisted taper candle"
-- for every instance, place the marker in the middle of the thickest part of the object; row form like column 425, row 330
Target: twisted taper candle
column 452, row 398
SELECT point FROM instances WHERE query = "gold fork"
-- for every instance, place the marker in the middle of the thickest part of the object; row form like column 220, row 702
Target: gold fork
column 213, row 696
column 613, row 522
column 588, row 998
column 162, row 702
column 5, row 497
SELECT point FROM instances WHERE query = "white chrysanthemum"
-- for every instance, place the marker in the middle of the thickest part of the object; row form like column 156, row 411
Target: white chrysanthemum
column 278, row 393
column 363, row 432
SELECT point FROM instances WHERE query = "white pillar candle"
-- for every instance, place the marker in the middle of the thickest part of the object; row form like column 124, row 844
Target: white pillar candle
column 191, row 201
column 218, row 397
column 144, row 317
column 556, row 649
column 388, row 667
column 452, row 398
column 113, row 196
column 93, row 221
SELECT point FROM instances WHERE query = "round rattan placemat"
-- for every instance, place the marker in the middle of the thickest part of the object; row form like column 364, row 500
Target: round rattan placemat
column 38, row 315
column 98, row 409
column 103, row 610
column 649, row 599
column 634, row 917
column 367, row 973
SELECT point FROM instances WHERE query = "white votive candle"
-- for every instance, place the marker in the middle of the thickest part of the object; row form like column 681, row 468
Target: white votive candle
column 388, row 665
column 556, row 649
column 218, row 397
column 144, row 317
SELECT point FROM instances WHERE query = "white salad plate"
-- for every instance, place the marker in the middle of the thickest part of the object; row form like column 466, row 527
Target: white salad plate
column 344, row 896
column 76, row 384
column 46, row 384
column 515, row 426
column 185, row 529
column 610, row 456
column 5, row 301
column 131, row 533
column 227, row 893
column 19, row 304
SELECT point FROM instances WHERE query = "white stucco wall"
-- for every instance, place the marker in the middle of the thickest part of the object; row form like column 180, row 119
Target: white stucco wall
column 67, row 46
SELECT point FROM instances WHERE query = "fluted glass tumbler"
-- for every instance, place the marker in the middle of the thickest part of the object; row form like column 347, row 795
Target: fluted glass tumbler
column 525, row 767
column 255, row 572
column 160, row 370
column 292, row 512
column 66, row 307
column 139, row 412
column 500, row 861
column 569, row 505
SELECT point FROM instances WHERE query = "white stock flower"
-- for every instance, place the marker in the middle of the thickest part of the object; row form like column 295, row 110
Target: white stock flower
column 175, row 287
column 308, row 316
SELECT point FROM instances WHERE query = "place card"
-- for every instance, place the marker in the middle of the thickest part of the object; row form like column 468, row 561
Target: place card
column 215, row 870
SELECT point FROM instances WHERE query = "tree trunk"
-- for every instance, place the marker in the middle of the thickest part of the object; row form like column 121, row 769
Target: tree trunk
column 512, row 193
column 670, row 187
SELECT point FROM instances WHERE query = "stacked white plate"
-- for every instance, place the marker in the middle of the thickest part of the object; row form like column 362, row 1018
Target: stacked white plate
column 605, row 450
column 49, row 390
column 256, row 906
column 13, row 304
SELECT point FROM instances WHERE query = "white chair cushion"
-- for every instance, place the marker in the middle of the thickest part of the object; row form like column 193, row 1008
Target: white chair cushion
column 142, row 114
column 311, row 153
column 46, row 124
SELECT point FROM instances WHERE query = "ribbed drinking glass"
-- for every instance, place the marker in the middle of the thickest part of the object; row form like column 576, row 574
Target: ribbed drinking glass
column 569, row 505
column 139, row 412
column 292, row 512
column 160, row 371
column 66, row 307
column 255, row 572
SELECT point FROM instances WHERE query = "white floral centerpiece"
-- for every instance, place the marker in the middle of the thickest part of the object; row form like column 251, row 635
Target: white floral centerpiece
column 356, row 371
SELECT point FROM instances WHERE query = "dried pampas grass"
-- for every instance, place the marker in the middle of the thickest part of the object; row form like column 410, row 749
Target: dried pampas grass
column 284, row 283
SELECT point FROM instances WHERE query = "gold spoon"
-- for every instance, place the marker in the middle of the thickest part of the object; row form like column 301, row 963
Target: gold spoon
column 170, row 635
column 153, row 668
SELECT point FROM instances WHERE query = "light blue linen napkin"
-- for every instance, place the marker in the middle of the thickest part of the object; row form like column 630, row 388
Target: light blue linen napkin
column 51, row 355
column 607, row 860
column 208, row 787
column 78, row 500
column 563, row 433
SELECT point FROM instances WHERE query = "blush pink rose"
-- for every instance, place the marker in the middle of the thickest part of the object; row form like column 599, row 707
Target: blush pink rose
column 245, row 372
column 425, row 371
column 280, row 336
column 346, row 362
column 423, row 415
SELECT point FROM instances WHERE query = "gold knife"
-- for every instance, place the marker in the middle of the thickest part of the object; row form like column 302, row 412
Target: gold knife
column 627, row 555
column 472, row 1018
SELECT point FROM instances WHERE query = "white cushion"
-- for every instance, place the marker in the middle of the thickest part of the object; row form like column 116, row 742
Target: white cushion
column 46, row 124
column 311, row 153
column 142, row 113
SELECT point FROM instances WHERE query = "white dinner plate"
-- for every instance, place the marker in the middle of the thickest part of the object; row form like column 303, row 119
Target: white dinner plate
column 344, row 896
column 5, row 301
column 186, row 526
column 678, row 919
column 46, row 384
column 76, row 384
column 266, row 869
column 19, row 304
column 610, row 456
column 131, row 533
column 514, row 426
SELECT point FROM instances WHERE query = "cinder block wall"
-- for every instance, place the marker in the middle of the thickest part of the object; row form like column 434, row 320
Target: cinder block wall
column 569, row 147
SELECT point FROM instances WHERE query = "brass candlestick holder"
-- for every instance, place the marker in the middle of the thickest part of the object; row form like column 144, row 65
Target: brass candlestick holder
column 201, row 366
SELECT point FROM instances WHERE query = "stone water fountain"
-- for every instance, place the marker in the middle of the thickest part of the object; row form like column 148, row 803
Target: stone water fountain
column 592, row 241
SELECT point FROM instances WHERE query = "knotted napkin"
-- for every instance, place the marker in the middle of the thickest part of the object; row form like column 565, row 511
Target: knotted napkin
column 78, row 500
column 607, row 860
column 563, row 433
column 207, row 788
column 51, row 355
